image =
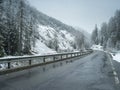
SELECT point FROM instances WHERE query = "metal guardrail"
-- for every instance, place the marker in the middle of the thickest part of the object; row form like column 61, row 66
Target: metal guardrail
column 22, row 63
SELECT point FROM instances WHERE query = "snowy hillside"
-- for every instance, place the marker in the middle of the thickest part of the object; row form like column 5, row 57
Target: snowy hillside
column 47, row 35
column 29, row 31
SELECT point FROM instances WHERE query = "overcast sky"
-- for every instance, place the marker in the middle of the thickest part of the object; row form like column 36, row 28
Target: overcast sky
column 79, row 13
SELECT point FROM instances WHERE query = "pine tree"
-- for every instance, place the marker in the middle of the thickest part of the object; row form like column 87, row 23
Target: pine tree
column 1, row 46
column 80, row 42
column 103, row 34
column 9, row 27
column 21, row 26
column 117, row 18
column 95, row 36
column 55, row 41
column 1, row 30
column 110, row 33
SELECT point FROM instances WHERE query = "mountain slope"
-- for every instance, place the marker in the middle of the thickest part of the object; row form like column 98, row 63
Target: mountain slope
column 26, row 30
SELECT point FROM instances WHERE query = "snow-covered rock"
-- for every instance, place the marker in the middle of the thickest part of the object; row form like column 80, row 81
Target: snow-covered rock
column 116, row 56
column 97, row 47
column 41, row 48
column 65, row 40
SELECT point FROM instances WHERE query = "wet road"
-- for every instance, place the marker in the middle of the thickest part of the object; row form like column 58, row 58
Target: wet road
column 92, row 72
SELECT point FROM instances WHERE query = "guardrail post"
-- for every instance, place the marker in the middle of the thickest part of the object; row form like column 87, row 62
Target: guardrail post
column 81, row 53
column 76, row 54
column 8, row 65
column 61, row 57
column 66, row 55
column 30, row 62
column 44, row 59
column 53, row 58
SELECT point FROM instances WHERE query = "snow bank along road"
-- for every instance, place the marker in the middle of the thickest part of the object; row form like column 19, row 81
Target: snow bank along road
column 93, row 72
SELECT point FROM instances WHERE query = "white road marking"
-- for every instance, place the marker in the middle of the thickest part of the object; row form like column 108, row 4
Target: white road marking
column 117, row 81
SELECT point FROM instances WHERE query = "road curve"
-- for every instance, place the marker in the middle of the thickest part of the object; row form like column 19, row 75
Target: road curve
column 92, row 72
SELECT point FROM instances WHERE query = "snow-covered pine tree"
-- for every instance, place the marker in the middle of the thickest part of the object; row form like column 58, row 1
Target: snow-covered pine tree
column 80, row 42
column 1, row 46
column 94, row 36
column 103, row 35
column 1, row 30
column 55, row 42
column 110, row 33
column 22, row 27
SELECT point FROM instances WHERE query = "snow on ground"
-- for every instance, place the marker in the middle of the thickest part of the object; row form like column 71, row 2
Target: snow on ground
column 65, row 40
column 41, row 48
column 97, row 47
column 47, row 33
column 67, row 35
column 116, row 56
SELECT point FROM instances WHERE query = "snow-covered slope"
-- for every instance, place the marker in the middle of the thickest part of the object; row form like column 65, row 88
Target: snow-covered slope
column 116, row 57
column 41, row 48
column 33, row 32
column 55, row 34
column 97, row 47
column 48, row 35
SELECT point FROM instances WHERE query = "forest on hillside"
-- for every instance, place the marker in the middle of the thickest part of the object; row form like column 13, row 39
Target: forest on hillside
column 19, row 23
column 17, row 26
column 109, row 34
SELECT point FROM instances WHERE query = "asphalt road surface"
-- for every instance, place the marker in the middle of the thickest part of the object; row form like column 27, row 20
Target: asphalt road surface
column 91, row 72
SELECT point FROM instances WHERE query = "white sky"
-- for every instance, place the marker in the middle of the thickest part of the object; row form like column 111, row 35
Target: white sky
column 79, row 13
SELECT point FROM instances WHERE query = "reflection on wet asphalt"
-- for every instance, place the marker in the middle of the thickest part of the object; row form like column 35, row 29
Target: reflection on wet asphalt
column 87, row 73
